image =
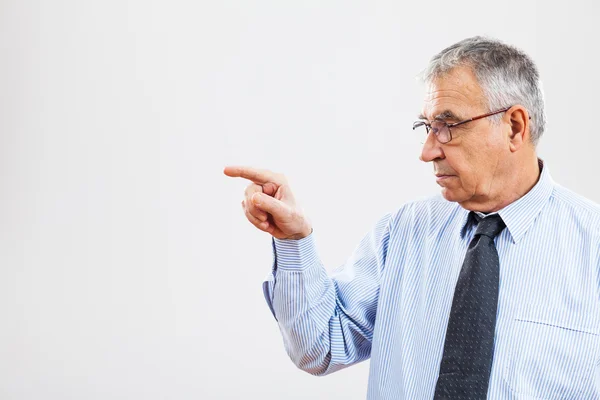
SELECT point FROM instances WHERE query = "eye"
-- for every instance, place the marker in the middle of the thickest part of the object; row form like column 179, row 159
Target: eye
column 460, row 127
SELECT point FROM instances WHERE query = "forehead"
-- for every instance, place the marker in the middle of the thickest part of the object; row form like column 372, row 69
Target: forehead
column 456, row 91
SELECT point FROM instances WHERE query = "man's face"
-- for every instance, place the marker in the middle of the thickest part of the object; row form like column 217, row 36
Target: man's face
column 469, row 168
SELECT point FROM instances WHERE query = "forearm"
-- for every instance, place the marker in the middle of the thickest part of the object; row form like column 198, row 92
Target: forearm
column 319, row 335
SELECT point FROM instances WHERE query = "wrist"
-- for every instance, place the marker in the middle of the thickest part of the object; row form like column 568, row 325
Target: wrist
column 302, row 235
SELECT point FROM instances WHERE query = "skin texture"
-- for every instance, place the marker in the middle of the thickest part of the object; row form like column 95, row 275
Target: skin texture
column 487, row 165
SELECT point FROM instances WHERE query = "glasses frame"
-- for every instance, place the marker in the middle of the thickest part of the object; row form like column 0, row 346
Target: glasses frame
column 428, row 126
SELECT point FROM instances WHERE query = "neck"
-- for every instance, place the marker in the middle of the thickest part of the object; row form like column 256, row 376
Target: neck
column 521, row 181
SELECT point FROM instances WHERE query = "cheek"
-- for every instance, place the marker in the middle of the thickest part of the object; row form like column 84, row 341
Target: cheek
column 471, row 161
column 461, row 164
column 468, row 172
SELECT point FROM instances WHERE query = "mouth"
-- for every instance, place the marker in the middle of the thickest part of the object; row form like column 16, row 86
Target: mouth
column 440, row 177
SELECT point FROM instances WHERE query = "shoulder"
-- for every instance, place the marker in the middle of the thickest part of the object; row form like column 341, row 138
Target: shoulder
column 576, row 208
column 429, row 212
column 576, row 203
column 569, row 198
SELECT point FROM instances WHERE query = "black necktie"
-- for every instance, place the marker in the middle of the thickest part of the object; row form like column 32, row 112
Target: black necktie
column 469, row 346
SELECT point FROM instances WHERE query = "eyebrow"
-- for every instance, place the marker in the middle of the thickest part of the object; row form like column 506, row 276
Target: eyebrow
column 444, row 115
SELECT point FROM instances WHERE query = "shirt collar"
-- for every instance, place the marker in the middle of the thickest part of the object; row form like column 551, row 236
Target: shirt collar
column 520, row 214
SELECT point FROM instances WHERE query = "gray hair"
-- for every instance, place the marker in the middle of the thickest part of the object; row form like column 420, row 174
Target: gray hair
column 506, row 75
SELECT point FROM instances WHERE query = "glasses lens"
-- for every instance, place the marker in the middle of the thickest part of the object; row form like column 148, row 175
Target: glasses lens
column 441, row 130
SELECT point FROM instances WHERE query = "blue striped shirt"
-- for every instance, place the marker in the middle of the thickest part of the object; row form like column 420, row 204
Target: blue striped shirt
column 390, row 301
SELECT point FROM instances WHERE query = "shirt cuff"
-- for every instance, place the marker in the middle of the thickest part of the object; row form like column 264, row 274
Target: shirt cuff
column 289, row 255
column 295, row 254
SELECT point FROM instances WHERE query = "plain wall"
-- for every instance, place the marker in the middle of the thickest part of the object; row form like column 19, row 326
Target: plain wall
column 127, row 267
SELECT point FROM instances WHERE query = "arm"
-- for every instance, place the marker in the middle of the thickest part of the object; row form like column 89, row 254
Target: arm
column 327, row 321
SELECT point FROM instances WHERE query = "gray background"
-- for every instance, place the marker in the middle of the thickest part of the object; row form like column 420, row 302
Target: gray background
column 127, row 268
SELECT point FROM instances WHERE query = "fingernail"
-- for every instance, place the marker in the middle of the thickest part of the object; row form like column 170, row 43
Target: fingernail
column 256, row 198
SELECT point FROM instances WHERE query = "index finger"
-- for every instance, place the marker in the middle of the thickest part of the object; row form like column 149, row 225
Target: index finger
column 256, row 175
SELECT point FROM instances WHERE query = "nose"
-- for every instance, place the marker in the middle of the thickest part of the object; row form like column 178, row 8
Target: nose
column 432, row 149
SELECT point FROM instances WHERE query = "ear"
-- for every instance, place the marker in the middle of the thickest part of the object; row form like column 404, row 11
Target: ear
column 518, row 122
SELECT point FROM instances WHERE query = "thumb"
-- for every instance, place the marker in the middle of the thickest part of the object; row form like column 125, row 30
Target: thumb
column 276, row 208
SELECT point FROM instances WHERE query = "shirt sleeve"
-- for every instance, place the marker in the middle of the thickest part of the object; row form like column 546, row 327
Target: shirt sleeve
column 326, row 320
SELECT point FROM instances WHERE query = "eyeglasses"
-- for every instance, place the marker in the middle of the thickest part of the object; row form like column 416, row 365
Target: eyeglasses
column 441, row 129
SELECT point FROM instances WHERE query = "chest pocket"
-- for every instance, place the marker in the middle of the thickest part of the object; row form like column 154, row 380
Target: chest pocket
column 548, row 361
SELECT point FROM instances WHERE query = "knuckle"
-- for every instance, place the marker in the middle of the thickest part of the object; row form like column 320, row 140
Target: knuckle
column 257, row 214
column 253, row 210
column 251, row 189
column 252, row 219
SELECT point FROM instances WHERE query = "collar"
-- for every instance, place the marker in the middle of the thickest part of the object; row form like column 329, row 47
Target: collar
column 520, row 214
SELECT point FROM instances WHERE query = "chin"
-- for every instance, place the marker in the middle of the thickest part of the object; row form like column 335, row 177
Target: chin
column 451, row 195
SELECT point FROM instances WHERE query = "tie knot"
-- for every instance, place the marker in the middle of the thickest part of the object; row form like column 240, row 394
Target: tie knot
column 489, row 226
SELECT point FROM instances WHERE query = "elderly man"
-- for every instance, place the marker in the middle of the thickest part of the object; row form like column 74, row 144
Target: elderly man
column 491, row 290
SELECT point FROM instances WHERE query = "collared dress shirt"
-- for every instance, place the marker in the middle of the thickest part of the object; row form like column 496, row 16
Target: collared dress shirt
column 390, row 300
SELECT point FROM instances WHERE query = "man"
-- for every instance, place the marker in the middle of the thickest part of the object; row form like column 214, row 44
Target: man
column 491, row 290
